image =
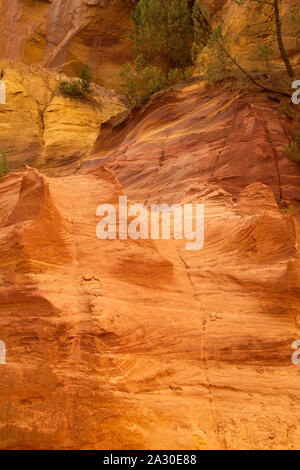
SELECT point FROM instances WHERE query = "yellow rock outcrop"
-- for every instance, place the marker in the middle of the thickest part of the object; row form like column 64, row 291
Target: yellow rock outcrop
column 42, row 127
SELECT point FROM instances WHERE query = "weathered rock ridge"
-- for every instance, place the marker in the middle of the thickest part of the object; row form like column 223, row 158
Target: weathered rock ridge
column 193, row 135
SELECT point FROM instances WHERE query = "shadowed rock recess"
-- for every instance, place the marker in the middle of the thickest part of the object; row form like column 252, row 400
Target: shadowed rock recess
column 123, row 344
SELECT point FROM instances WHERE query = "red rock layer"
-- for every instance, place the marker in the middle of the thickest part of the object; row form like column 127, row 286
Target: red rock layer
column 194, row 135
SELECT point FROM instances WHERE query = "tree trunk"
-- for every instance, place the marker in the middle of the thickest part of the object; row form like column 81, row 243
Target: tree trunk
column 283, row 53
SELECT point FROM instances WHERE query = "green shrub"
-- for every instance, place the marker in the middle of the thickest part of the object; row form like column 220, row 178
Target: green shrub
column 80, row 87
column 3, row 165
column 202, row 30
column 214, row 61
column 140, row 85
column 293, row 151
column 179, row 75
column 264, row 54
column 163, row 34
column 162, row 47
column 288, row 210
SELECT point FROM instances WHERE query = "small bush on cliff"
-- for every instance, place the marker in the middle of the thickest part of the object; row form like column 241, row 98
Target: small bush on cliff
column 288, row 210
column 293, row 150
column 80, row 87
column 215, row 63
column 140, row 85
column 217, row 59
column 210, row 45
column 264, row 54
column 202, row 29
column 3, row 165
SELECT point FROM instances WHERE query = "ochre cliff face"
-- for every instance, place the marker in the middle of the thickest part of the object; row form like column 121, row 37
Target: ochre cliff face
column 124, row 344
column 130, row 345
column 253, row 26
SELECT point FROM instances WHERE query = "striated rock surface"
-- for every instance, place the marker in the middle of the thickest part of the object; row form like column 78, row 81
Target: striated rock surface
column 143, row 345
column 42, row 127
column 194, row 135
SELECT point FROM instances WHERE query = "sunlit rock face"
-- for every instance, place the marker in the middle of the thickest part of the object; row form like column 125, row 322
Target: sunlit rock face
column 42, row 127
column 2, row 92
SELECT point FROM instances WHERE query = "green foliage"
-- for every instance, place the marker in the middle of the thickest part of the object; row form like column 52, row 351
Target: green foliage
column 71, row 88
column 277, row 20
column 162, row 43
column 80, row 87
column 288, row 210
column 3, row 165
column 295, row 16
column 163, row 34
column 209, row 44
column 140, row 85
column 202, row 30
column 215, row 63
column 265, row 53
column 179, row 75
column 293, row 150
column 86, row 79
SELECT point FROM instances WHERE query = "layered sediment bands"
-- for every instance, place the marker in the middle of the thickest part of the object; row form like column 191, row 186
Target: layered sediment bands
column 194, row 135
column 139, row 344
column 42, row 127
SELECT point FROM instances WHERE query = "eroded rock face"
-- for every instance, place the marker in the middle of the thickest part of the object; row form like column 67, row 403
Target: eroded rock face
column 64, row 34
column 42, row 127
column 194, row 135
column 253, row 26
column 143, row 345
